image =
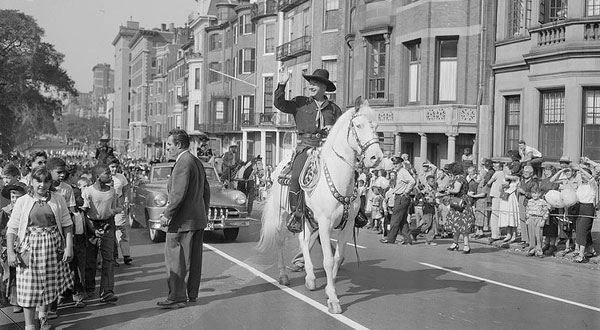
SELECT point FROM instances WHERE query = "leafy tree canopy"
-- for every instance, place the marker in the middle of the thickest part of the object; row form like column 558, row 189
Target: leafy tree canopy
column 82, row 129
column 33, row 85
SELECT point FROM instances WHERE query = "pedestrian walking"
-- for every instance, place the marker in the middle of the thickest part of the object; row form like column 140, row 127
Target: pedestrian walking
column 185, row 217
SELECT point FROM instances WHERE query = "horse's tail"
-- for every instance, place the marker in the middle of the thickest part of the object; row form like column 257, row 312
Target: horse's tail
column 274, row 212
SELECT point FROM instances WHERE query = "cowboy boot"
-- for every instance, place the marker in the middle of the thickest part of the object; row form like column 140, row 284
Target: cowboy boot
column 361, row 218
column 294, row 224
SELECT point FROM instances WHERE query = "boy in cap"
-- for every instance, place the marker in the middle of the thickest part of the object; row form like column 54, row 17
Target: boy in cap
column 8, row 283
column 10, row 175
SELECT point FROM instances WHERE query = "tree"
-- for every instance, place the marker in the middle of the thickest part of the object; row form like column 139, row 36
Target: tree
column 82, row 129
column 33, row 85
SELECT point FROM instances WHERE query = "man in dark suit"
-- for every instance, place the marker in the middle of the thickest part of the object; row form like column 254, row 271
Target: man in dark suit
column 185, row 217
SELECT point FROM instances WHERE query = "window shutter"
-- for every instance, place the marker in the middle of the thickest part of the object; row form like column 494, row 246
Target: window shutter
column 240, row 61
column 542, row 15
column 253, row 60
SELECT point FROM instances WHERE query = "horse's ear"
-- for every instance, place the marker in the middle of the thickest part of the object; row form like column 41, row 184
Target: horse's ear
column 357, row 103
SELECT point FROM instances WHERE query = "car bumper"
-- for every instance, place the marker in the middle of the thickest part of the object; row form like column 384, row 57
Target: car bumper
column 214, row 223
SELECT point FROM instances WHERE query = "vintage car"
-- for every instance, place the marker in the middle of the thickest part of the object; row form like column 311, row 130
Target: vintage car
column 149, row 199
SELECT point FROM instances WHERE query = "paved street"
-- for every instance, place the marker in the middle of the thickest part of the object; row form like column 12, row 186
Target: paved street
column 394, row 287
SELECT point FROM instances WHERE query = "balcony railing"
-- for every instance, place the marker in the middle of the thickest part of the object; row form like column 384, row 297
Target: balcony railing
column 218, row 127
column 592, row 31
column 262, row 9
column 551, row 35
column 431, row 115
column 287, row 5
column 294, row 48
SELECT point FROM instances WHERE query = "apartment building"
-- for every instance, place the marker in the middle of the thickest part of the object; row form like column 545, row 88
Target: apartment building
column 120, row 116
column 102, row 85
column 144, row 46
column 547, row 83
column 423, row 66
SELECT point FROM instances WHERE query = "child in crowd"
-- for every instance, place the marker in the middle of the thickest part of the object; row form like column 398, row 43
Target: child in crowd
column 100, row 206
column 121, row 186
column 378, row 210
column 10, row 175
column 8, row 285
column 428, row 225
column 58, row 170
column 537, row 212
column 79, row 242
column 479, row 196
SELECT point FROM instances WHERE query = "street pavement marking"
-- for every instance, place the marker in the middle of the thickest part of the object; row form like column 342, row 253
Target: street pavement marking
column 351, row 244
column 513, row 287
column 287, row 290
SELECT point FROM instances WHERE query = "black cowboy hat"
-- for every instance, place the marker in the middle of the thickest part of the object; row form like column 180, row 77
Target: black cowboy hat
column 321, row 75
column 18, row 186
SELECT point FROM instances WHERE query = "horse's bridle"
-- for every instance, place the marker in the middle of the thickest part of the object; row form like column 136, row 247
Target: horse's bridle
column 366, row 145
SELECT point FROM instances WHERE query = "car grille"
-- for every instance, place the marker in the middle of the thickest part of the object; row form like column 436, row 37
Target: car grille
column 216, row 213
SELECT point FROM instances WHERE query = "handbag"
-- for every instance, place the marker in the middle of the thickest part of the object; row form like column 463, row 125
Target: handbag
column 457, row 203
column 504, row 196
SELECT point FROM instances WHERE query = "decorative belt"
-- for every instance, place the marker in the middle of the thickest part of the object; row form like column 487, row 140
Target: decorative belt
column 312, row 135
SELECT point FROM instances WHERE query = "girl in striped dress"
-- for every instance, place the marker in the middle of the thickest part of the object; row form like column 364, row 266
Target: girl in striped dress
column 40, row 245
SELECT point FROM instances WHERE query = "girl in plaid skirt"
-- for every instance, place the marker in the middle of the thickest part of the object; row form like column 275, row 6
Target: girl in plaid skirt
column 40, row 245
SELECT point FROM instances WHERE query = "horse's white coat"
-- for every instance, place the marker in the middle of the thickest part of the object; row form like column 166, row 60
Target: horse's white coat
column 352, row 135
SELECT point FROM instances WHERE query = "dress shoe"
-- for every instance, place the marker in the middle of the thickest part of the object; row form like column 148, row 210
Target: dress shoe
column 170, row 304
column 109, row 297
column 466, row 249
column 453, row 247
column 192, row 299
column 385, row 241
column 127, row 260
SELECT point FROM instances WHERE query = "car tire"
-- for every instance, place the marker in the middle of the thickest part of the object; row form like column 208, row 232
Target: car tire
column 230, row 234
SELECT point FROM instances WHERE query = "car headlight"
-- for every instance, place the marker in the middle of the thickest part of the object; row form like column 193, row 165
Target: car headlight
column 240, row 199
column 160, row 200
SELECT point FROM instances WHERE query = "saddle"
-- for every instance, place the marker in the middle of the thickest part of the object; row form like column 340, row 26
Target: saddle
column 309, row 175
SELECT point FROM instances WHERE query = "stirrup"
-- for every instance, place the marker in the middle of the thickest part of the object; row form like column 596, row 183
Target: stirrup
column 295, row 223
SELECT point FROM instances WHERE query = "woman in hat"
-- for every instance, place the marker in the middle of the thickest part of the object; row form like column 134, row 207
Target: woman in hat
column 314, row 115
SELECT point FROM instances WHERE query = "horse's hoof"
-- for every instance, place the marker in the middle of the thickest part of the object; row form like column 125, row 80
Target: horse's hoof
column 310, row 285
column 334, row 307
column 284, row 280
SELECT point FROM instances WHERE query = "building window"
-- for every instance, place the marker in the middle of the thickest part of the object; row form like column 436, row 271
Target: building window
column 552, row 114
column 154, row 62
column 213, row 75
column 306, row 19
column 246, row 107
column 235, row 33
column 219, row 110
column 519, row 18
column 197, row 78
column 222, row 14
column 331, row 66
column 591, row 123
column 304, row 82
column 246, row 25
column 331, row 14
column 247, row 61
column 552, row 10
column 214, row 42
column 414, row 71
column 197, row 113
column 377, row 68
column 269, row 38
column 268, row 95
column 447, row 69
column 227, row 70
column 512, row 110
column 592, row 8
column 228, row 38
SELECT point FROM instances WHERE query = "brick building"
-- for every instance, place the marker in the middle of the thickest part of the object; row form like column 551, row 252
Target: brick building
column 424, row 67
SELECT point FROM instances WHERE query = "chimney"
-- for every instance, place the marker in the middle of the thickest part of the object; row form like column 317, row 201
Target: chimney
column 172, row 27
column 163, row 27
column 133, row 25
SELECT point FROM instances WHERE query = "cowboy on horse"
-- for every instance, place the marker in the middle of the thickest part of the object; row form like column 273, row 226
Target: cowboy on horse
column 314, row 115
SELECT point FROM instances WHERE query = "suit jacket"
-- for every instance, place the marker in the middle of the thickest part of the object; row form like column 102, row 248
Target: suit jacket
column 189, row 195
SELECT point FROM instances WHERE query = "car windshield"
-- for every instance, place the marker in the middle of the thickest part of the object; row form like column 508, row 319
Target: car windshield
column 162, row 174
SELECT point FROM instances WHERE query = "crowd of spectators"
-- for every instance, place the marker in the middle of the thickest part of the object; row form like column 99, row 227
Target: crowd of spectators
column 500, row 200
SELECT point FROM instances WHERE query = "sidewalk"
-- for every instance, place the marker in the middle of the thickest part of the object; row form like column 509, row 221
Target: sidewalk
column 517, row 248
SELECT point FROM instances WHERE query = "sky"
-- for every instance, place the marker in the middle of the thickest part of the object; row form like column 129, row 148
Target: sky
column 83, row 30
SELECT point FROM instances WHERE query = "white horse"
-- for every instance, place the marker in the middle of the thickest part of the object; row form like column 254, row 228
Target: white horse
column 352, row 138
